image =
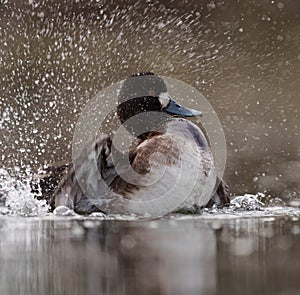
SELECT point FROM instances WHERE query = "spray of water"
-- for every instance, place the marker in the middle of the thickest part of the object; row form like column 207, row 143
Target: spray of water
column 19, row 198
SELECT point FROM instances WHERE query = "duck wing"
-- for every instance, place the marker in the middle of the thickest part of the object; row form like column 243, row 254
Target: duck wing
column 58, row 183
column 94, row 169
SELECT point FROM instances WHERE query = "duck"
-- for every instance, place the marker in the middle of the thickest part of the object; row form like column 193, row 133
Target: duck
column 168, row 166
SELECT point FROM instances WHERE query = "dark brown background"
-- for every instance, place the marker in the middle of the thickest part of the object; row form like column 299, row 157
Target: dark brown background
column 242, row 55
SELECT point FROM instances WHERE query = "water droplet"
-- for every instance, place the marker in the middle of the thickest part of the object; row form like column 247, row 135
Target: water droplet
column 280, row 5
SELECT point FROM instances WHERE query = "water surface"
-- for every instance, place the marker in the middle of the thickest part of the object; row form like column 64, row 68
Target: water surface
column 212, row 253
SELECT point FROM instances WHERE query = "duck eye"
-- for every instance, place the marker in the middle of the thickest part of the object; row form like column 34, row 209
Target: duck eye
column 152, row 92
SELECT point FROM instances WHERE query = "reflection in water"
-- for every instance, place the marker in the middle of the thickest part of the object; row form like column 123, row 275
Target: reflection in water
column 106, row 258
column 260, row 255
column 169, row 256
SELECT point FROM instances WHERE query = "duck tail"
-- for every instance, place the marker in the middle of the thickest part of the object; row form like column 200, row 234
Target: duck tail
column 221, row 196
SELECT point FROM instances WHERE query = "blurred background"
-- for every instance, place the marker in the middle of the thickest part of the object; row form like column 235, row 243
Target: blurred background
column 242, row 55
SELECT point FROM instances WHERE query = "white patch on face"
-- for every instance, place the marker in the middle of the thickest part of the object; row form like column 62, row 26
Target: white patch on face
column 164, row 99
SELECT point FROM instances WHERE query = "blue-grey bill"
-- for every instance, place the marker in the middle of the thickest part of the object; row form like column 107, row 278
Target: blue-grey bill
column 175, row 108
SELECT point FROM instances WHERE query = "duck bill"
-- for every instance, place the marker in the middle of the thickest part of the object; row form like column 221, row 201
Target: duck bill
column 175, row 108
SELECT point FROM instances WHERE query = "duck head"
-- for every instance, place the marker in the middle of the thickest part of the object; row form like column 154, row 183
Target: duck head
column 147, row 92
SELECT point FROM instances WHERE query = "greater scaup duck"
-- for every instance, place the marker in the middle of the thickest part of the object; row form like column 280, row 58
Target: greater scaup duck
column 156, row 153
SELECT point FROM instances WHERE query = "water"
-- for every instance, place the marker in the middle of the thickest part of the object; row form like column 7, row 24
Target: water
column 242, row 55
column 209, row 254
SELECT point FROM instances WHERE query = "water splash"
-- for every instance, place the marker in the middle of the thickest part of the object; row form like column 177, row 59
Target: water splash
column 248, row 202
column 17, row 197
column 250, row 205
